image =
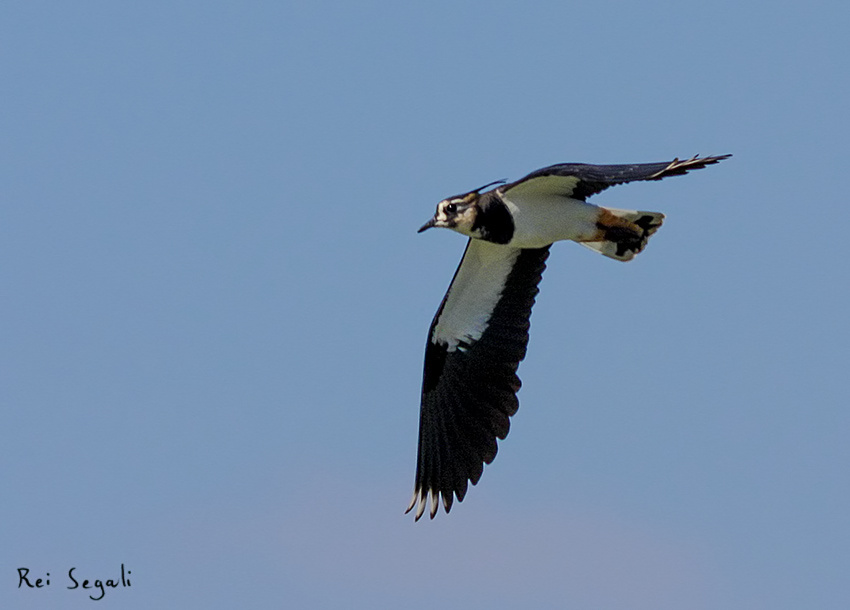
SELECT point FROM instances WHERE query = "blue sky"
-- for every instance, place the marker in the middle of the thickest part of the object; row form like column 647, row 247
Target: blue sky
column 215, row 304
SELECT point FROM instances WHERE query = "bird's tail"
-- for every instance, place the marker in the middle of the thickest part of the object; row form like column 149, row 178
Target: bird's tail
column 623, row 233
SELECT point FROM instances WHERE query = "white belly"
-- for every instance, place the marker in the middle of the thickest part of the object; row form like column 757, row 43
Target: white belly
column 542, row 220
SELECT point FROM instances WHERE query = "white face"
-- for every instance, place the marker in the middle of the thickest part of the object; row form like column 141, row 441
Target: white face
column 456, row 214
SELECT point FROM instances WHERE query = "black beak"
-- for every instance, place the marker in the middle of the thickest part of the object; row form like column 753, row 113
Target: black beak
column 427, row 225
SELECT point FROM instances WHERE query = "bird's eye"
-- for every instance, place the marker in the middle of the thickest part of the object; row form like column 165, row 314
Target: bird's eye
column 451, row 208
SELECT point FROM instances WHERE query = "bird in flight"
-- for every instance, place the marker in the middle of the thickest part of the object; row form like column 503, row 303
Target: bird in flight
column 480, row 332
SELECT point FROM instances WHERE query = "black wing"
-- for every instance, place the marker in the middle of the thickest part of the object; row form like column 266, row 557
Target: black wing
column 475, row 345
column 580, row 180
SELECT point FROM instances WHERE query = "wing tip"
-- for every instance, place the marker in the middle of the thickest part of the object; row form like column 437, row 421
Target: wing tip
column 678, row 168
column 430, row 500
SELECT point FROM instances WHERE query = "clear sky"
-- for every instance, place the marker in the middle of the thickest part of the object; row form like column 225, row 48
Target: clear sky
column 214, row 304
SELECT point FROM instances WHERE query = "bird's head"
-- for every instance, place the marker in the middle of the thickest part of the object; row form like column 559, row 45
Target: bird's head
column 456, row 213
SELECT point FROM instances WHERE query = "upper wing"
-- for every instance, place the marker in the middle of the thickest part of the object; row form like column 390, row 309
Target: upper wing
column 475, row 345
column 580, row 180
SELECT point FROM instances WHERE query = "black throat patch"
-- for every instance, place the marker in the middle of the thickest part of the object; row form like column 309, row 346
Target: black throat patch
column 494, row 221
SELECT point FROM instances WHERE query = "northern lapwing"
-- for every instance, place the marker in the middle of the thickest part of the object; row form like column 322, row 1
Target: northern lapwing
column 480, row 332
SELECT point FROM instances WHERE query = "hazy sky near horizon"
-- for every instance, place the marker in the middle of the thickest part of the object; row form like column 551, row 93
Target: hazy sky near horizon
column 215, row 304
